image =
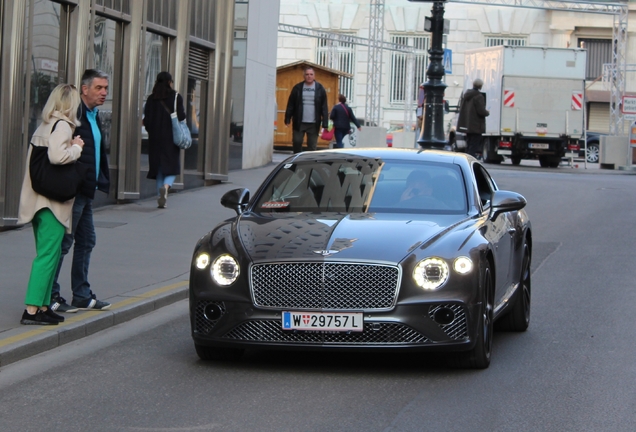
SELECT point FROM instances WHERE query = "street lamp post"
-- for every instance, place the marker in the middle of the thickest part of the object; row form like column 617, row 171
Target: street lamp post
column 432, row 134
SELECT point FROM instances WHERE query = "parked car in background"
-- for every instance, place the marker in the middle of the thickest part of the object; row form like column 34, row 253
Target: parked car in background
column 365, row 249
column 593, row 146
column 456, row 140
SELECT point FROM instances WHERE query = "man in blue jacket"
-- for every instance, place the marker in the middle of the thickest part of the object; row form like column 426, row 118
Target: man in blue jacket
column 307, row 109
column 93, row 91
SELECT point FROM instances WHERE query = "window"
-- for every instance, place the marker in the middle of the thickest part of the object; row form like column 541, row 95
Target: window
column 599, row 51
column 46, row 44
column 510, row 41
column 340, row 56
column 106, row 50
column 399, row 65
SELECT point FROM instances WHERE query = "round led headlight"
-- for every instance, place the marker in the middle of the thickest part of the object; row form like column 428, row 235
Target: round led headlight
column 202, row 261
column 463, row 265
column 431, row 273
column 224, row 270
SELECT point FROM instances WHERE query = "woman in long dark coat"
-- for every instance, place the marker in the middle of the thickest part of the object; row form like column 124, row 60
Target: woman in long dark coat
column 163, row 154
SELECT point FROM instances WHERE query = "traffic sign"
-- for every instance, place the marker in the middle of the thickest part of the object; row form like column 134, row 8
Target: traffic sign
column 447, row 61
column 628, row 105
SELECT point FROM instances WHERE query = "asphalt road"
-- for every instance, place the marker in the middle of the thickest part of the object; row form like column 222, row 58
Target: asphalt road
column 573, row 370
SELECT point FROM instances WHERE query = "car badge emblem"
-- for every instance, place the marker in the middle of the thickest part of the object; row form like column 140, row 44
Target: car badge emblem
column 326, row 253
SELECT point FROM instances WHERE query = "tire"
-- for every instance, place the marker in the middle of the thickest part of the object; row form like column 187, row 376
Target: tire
column 593, row 154
column 486, row 153
column 518, row 319
column 479, row 356
column 220, row 354
column 515, row 160
column 554, row 161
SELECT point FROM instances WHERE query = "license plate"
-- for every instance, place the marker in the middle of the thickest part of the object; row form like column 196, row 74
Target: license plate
column 539, row 146
column 328, row 321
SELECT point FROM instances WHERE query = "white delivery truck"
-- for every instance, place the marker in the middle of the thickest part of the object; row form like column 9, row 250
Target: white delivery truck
column 535, row 97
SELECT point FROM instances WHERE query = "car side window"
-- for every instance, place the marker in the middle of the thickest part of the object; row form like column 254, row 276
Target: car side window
column 485, row 185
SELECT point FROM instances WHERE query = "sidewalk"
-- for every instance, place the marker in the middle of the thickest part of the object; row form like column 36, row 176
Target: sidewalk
column 141, row 263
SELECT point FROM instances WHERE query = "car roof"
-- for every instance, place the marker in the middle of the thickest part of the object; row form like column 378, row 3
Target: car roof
column 386, row 153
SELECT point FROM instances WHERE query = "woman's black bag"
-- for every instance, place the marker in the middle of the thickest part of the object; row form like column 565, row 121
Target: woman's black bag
column 56, row 182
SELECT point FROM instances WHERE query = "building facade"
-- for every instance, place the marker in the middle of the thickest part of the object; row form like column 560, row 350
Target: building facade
column 47, row 42
column 471, row 26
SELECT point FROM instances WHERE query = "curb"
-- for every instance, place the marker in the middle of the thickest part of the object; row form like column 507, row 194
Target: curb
column 29, row 341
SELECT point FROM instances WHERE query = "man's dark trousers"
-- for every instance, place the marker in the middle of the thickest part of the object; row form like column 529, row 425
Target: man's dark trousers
column 312, row 137
column 474, row 144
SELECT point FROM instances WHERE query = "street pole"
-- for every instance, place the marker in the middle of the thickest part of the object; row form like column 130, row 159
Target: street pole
column 432, row 135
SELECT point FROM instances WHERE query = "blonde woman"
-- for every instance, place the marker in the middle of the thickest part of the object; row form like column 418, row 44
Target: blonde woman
column 50, row 219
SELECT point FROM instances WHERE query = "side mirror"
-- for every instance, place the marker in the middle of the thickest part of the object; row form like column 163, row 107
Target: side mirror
column 505, row 201
column 236, row 199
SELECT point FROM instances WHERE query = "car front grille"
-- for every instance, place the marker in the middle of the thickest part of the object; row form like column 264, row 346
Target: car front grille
column 374, row 333
column 333, row 286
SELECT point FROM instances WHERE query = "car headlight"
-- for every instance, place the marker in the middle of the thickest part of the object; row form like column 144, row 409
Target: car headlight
column 431, row 273
column 202, row 261
column 463, row 265
column 224, row 270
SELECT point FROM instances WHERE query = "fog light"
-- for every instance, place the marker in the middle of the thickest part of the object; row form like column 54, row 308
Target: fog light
column 212, row 312
column 444, row 316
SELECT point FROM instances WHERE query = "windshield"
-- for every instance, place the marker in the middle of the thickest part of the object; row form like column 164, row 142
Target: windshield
column 365, row 185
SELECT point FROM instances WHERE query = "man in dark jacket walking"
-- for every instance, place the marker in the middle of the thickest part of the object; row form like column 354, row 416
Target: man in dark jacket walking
column 472, row 118
column 93, row 91
column 307, row 109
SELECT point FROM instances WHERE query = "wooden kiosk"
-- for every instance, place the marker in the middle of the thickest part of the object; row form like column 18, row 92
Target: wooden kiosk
column 287, row 76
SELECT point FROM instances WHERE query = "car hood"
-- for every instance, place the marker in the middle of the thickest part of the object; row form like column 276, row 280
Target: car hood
column 358, row 237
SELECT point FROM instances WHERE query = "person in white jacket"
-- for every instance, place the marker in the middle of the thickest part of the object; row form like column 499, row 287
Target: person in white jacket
column 50, row 219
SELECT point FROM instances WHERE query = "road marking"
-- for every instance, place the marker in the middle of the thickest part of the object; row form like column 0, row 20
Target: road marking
column 70, row 320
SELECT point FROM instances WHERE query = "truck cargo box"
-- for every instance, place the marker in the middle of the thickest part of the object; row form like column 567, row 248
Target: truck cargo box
column 535, row 96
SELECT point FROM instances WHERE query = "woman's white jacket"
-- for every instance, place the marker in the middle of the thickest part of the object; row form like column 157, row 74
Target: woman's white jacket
column 60, row 152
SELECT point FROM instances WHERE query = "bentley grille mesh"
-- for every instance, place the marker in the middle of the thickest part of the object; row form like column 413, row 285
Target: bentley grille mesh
column 457, row 329
column 339, row 286
column 202, row 323
column 381, row 333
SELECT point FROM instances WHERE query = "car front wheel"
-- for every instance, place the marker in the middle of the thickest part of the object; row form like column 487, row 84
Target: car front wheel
column 518, row 318
column 479, row 356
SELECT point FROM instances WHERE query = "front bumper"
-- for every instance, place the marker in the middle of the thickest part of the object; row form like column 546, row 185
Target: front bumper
column 412, row 326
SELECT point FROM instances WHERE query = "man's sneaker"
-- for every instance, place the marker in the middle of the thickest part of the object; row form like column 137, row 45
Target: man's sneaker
column 51, row 314
column 58, row 304
column 91, row 304
column 38, row 318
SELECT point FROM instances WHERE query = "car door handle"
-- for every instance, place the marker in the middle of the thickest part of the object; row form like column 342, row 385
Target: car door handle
column 512, row 231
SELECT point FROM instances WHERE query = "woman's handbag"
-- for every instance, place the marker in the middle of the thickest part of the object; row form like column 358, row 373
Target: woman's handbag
column 327, row 134
column 180, row 132
column 56, row 182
